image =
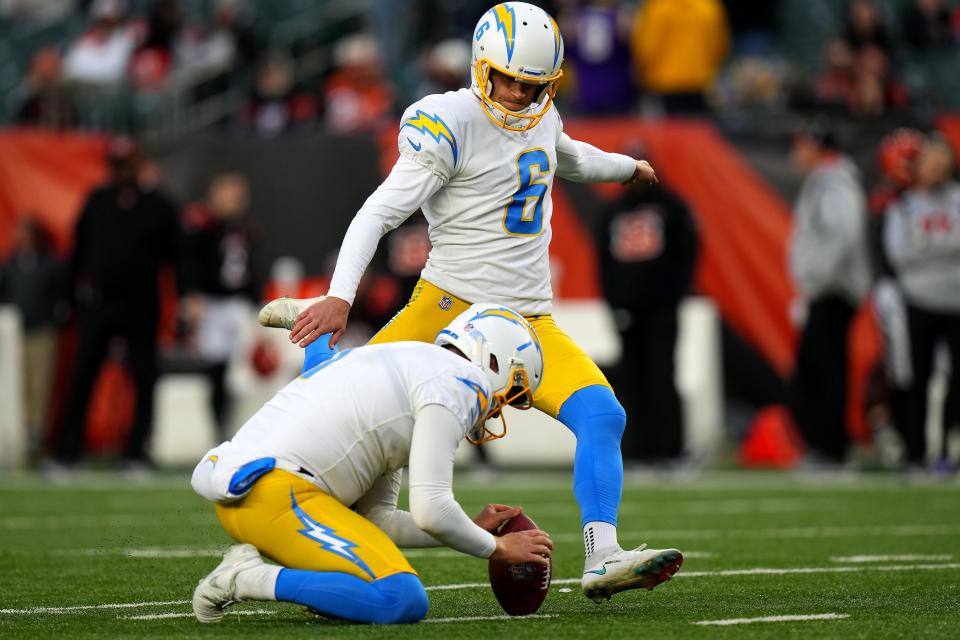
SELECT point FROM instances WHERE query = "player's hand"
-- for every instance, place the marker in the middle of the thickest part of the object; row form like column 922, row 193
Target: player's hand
column 326, row 316
column 524, row 546
column 494, row 515
column 643, row 174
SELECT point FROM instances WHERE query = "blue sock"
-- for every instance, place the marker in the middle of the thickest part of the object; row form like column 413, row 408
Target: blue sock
column 598, row 420
column 318, row 351
column 399, row 598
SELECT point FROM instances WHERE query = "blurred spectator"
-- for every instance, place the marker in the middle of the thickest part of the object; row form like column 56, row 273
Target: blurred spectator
column 357, row 95
column 124, row 234
column 752, row 82
column 597, row 46
column 678, row 47
column 829, row 261
column 648, row 250
column 153, row 61
column 101, row 55
column 864, row 29
column 43, row 99
column 33, row 279
column 858, row 64
column 220, row 281
column 228, row 44
column 36, row 11
column 858, row 81
column 277, row 106
column 922, row 239
column 897, row 160
column 926, row 25
column 232, row 26
column 837, row 85
column 447, row 67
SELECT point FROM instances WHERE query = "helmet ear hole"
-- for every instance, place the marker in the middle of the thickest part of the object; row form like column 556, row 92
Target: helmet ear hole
column 494, row 365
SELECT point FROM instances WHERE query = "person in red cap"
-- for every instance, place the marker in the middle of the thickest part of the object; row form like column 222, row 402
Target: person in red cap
column 896, row 157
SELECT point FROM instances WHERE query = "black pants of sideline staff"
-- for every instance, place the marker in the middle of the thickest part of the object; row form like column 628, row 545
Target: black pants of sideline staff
column 820, row 377
column 926, row 329
column 644, row 383
column 138, row 326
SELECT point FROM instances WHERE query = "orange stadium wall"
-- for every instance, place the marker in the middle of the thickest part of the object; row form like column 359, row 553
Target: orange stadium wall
column 744, row 225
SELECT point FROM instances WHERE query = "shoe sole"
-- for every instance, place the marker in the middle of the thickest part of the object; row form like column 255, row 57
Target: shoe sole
column 646, row 575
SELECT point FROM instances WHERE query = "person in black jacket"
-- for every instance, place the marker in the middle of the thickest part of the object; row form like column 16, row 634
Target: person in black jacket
column 221, row 280
column 648, row 249
column 124, row 235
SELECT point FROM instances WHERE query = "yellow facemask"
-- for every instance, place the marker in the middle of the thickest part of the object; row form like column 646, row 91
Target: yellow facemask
column 500, row 115
column 518, row 394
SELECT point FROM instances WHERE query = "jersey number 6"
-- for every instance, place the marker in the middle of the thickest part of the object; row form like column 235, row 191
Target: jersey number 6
column 524, row 215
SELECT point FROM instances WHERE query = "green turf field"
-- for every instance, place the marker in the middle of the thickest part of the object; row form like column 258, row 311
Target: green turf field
column 879, row 557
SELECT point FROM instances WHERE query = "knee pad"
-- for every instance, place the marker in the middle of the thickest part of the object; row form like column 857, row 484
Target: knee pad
column 410, row 596
column 595, row 409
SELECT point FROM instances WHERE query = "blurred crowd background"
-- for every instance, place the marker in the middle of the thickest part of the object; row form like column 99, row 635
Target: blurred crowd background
column 169, row 66
column 836, row 110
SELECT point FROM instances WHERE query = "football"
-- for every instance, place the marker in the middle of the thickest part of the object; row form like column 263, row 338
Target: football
column 520, row 588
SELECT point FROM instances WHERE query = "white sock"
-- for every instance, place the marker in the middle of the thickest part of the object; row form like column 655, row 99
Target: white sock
column 258, row 583
column 598, row 537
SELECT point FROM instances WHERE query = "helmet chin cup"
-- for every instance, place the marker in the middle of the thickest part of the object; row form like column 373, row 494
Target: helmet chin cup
column 481, row 433
column 519, row 395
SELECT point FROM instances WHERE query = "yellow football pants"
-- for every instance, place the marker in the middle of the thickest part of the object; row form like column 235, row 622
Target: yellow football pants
column 566, row 368
column 295, row 524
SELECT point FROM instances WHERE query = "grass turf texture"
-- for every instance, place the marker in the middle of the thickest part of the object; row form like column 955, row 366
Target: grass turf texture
column 84, row 545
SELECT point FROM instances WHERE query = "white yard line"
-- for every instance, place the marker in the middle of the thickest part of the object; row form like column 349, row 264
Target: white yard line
column 482, row 618
column 89, row 607
column 146, row 552
column 791, row 618
column 783, row 532
column 770, row 571
column 731, row 506
column 757, row 571
column 86, row 521
column 189, row 614
column 909, row 557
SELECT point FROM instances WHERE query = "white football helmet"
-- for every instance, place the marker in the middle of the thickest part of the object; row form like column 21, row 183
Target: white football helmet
column 523, row 42
column 502, row 343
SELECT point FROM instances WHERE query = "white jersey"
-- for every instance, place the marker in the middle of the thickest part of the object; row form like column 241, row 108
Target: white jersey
column 350, row 420
column 485, row 192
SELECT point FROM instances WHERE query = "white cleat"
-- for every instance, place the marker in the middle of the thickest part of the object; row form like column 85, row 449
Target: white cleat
column 281, row 313
column 218, row 589
column 621, row 570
